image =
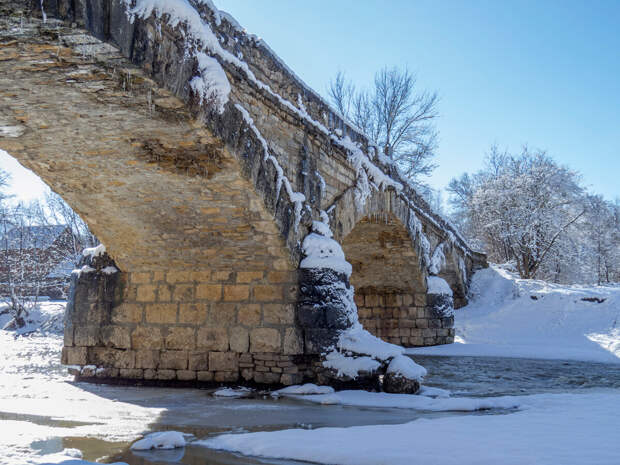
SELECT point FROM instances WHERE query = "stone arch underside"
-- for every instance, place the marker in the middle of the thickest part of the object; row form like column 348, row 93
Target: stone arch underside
column 206, row 281
column 390, row 284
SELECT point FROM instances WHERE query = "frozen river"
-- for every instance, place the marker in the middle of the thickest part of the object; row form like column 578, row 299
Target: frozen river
column 43, row 412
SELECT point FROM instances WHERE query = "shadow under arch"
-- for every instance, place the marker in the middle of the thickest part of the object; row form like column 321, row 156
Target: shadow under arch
column 390, row 284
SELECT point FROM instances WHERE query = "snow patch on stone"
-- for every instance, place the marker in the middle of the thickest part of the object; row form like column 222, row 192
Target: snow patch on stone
column 437, row 285
column 93, row 252
column 160, row 440
column 232, row 392
column 84, row 269
column 212, row 84
column 349, row 366
column 407, row 368
column 323, row 252
column 303, row 390
column 356, row 339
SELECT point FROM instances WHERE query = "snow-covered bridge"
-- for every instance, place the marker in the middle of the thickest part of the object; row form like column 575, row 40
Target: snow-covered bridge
column 235, row 205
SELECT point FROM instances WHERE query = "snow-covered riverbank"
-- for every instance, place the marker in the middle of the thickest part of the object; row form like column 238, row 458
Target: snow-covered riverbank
column 510, row 317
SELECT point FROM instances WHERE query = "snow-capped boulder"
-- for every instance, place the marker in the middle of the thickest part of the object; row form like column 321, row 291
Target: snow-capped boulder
column 403, row 376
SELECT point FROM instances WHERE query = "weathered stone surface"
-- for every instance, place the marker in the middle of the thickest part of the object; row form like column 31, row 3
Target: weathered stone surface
column 265, row 340
column 397, row 384
column 223, row 361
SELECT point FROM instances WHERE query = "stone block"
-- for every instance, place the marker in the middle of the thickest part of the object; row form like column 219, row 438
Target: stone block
column 289, row 379
column 236, row 293
column 127, row 313
column 164, row 293
column 421, row 323
column 239, row 339
column 192, row 313
column 393, row 300
column 125, row 358
column 244, row 277
column 180, row 338
column 115, row 336
column 186, row 375
column 265, row 340
column 146, row 337
column 212, row 339
column 434, row 323
column 281, row 277
column 107, row 372
column 183, row 293
column 86, row 336
column 166, row 375
column 131, row 373
column 210, row 292
column 182, row 276
column 266, row 377
column 430, row 332
column 249, row 314
column 420, row 300
column 223, row 361
column 150, row 374
column 173, row 359
column 279, row 314
column 146, row 358
column 146, row 293
column 222, row 276
column 138, row 277
column 67, row 340
column 199, row 361
column 268, row 293
column 161, row 313
column 74, row 356
column 293, row 342
column 204, row 376
column 226, row 376
column 222, row 314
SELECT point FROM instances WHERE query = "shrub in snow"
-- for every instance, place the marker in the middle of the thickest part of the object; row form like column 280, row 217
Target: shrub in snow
column 160, row 440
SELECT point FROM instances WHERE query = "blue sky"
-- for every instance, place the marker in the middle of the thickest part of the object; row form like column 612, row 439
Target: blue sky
column 545, row 73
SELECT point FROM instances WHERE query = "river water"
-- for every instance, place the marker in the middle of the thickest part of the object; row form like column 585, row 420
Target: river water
column 463, row 376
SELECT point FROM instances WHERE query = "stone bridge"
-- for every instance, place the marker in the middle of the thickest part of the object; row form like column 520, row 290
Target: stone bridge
column 227, row 193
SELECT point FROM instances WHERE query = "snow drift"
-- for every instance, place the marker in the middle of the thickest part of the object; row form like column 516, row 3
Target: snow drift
column 512, row 317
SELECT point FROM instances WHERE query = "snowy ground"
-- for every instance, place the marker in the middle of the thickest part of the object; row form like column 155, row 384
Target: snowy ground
column 569, row 417
column 510, row 317
column 557, row 429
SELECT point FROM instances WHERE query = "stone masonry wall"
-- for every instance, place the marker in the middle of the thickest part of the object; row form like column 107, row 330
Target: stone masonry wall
column 183, row 325
column 403, row 318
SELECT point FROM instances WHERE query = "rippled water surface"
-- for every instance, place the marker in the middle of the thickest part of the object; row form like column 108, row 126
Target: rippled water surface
column 464, row 376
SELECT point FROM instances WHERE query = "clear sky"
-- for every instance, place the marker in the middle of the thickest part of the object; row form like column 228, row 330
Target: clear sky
column 545, row 73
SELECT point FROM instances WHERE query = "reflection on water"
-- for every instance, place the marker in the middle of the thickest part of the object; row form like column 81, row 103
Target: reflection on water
column 202, row 416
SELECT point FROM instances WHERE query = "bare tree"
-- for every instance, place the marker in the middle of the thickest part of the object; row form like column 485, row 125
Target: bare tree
column 397, row 117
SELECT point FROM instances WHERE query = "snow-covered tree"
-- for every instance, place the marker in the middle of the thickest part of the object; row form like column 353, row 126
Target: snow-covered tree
column 395, row 115
column 519, row 206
